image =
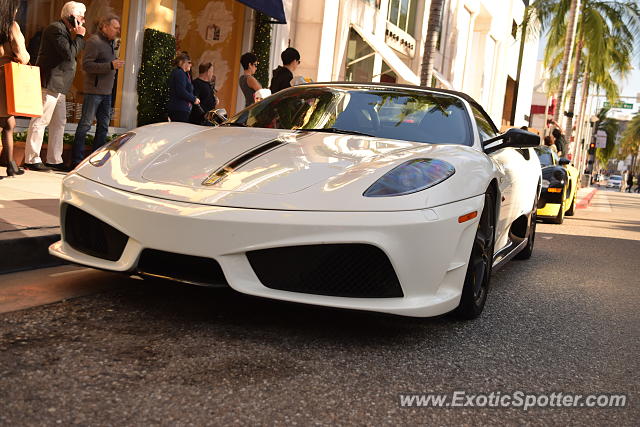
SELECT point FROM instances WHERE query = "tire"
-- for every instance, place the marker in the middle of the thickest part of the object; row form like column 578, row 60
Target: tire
column 528, row 250
column 572, row 208
column 559, row 219
column 476, row 281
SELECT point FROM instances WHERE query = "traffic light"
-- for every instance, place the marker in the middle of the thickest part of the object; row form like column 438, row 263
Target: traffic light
column 592, row 148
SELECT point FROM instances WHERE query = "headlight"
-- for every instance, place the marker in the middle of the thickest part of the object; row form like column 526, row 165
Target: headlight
column 100, row 157
column 545, row 183
column 411, row 177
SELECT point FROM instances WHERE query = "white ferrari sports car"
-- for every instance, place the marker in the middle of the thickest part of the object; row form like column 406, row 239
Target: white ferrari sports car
column 379, row 197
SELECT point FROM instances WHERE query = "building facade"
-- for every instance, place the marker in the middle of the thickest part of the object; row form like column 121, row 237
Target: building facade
column 382, row 40
column 355, row 40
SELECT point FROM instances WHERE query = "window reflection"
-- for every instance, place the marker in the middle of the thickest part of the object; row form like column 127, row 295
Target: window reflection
column 380, row 112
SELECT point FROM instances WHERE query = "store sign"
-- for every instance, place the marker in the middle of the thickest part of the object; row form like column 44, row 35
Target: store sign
column 601, row 139
column 619, row 104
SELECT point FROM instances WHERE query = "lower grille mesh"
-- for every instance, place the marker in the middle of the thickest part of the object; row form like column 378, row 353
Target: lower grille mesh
column 344, row 270
column 87, row 234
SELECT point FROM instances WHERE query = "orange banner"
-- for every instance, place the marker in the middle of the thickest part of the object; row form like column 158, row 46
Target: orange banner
column 24, row 94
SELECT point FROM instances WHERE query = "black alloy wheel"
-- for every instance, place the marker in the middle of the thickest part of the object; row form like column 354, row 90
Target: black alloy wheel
column 572, row 209
column 528, row 250
column 476, row 281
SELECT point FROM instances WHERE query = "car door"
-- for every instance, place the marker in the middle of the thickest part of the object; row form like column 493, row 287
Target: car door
column 502, row 160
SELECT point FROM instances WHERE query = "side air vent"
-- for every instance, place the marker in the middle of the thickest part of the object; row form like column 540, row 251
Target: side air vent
column 87, row 234
column 243, row 159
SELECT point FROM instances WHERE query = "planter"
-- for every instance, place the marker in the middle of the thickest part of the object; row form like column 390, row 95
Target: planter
column 19, row 146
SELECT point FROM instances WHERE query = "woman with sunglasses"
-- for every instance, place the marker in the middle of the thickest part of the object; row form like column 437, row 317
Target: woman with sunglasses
column 181, row 97
column 249, row 84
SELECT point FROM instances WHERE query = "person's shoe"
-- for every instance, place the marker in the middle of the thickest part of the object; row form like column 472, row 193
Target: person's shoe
column 13, row 169
column 60, row 167
column 36, row 167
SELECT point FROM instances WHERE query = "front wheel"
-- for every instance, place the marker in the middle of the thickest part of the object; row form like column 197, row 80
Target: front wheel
column 476, row 281
column 528, row 250
column 572, row 209
column 559, row 219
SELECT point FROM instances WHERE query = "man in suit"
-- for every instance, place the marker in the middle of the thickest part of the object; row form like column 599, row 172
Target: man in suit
column 61, row 42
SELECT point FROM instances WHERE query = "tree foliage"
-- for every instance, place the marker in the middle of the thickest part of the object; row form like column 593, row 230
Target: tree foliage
column 158, row 51
column 611, row 127
column 630, row 142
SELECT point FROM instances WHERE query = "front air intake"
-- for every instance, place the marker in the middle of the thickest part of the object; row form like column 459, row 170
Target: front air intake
column 89, row 235
column 341, row 270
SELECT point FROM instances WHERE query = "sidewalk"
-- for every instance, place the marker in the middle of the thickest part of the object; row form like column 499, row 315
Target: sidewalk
column 28, row 219
column 584, row 196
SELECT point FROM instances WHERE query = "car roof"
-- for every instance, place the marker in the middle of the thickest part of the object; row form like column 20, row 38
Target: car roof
column 462, row 95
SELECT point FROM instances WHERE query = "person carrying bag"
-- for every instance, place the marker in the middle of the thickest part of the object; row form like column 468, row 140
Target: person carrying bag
column 13, row 53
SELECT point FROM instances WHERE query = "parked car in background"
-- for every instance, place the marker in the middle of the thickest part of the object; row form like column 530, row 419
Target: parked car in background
column 559, row 186
column 614, row 181
column 389, row 198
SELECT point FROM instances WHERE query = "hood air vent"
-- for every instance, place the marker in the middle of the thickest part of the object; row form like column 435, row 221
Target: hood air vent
column 241, row 160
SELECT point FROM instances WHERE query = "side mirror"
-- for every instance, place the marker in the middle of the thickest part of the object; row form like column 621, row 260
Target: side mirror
column 564, row 161
column 216, row 116
column 516, row 138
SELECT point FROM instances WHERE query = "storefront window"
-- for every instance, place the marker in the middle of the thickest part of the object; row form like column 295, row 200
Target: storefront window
column 360, row 59
column 35, row 15
column 388, row 75
column 402, row 13
column 211, row 31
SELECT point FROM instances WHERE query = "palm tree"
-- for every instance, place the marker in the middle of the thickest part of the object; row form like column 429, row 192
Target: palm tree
column 433, row 29
column 611, row 28
column 610, row 127
column 630, row 142
column 604, row 45
column 568, row 46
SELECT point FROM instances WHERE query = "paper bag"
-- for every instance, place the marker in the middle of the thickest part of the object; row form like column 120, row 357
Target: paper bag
column 24, row 94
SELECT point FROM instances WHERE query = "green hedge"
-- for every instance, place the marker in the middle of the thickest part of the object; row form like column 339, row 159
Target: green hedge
column 158, row 51
column 262, row 47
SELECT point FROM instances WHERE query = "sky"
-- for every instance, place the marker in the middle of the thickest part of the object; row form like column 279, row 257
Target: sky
column 631, row 86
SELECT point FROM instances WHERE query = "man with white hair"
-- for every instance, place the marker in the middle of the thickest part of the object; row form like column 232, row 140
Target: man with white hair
column 61, row 42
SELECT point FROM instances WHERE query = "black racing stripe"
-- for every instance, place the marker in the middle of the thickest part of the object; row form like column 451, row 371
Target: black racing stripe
column 241, row 160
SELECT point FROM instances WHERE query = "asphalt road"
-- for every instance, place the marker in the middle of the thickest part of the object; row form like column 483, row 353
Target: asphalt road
column 155, row 353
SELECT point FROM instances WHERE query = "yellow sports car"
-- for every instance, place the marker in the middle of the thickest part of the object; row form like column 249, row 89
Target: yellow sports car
column 559, row 186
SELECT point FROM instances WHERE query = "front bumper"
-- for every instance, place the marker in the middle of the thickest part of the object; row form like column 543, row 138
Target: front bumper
column 428, row 249
column 549, row 203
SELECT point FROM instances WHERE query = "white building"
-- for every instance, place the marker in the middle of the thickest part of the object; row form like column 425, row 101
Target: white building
column 382, row 40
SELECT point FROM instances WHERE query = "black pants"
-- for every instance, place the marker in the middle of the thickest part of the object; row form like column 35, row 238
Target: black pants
column 179, row 116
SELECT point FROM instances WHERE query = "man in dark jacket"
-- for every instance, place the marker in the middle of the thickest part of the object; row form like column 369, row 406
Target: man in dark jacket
column 100, row 64
column 61, row 42
column 283, row 75
column 203, row 89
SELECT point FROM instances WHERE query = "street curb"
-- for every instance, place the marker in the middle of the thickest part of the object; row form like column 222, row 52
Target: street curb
column 28, row 249
column 586, row 200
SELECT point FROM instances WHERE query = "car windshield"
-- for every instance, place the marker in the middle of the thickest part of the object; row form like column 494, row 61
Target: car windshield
column 615, row 178
column 545, row 156
column 379, row 112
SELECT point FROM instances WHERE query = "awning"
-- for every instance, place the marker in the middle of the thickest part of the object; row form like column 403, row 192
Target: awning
column 272, row 8
column 400, row 68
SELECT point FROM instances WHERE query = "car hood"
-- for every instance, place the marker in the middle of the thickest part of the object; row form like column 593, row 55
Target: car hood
column 276, row 169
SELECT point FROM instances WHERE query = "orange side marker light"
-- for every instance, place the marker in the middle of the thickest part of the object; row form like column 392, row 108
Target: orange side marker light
column 467, row 217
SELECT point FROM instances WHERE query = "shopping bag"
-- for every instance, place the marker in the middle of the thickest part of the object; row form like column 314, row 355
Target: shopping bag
column 24, row 94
